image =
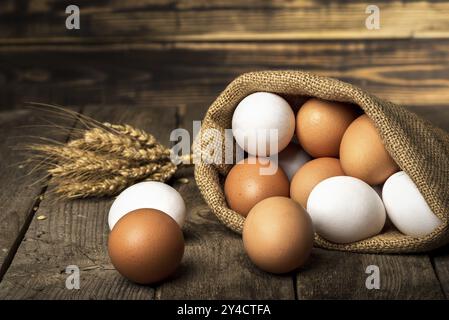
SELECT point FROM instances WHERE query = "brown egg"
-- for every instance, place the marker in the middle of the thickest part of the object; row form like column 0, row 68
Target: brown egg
column 320, row 125
column 310, row 174
column 146, row 246
column 363, row 154
column 245, row 185
column 278, row 235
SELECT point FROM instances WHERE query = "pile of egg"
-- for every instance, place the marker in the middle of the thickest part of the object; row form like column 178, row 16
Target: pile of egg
column 334, row 177
column 146, row 243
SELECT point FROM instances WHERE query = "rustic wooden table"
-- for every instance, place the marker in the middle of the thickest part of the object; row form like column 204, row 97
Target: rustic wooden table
column 158, row 65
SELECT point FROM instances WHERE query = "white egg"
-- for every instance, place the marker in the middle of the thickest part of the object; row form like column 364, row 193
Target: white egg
column 152, row 195
column 345, row 209
column 406, row 207
column 292, row 158
column 257, row 117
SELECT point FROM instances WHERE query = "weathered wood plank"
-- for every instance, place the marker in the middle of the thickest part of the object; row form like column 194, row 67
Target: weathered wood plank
column 215, row 265
column 76, row 232
column 341, row 275
column 37, row 21
column 414, row 72
column 19, row 193
column 440, row 259
column 441, row 264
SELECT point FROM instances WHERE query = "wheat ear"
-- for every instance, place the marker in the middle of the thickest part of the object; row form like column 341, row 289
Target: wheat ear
column 104, row 159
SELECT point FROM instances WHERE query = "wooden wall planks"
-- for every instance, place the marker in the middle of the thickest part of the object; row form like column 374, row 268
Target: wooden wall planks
column 413, row 72
column 164, row 20
column 181, row 43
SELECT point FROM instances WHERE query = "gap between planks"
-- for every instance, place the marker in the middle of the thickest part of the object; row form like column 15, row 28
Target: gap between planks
column 15, row 245
column 30, row 212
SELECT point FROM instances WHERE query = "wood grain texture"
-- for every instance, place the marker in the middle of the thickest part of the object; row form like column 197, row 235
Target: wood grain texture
column 441, row 263
column 341, row 275
column 414, row 72
column 37, row 21
column 20, row 189
column 75, row 233
column 215, row 265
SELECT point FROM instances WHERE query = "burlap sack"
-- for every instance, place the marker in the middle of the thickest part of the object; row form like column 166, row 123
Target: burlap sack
column 420, row 149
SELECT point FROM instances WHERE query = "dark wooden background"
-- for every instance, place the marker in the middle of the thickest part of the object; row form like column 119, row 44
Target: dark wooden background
column 158, row 65
column 171, row 53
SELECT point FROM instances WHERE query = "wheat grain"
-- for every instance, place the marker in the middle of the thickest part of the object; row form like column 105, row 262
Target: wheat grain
column 140, row 172
column 104, row 160
column 95, row 165
column 144, row 138
column 104, row 187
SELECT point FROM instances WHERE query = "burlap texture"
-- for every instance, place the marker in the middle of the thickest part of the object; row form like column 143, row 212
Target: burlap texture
column 420, row 149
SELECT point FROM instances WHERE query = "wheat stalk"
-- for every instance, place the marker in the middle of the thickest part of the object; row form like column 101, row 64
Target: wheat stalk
column 144, row 138
column 102, row 141
column 140, row 172
column 88, row 164
column 104, row 187
column 104, row 160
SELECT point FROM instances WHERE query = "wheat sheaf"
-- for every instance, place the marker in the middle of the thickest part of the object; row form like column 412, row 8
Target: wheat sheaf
column 101, row 159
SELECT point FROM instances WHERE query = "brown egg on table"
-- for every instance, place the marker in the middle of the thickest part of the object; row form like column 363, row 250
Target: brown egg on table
column 278, row 235
column 363, row 154
column 320, row 126
column 146, row 246
column 252, row 180
column 312, row 173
